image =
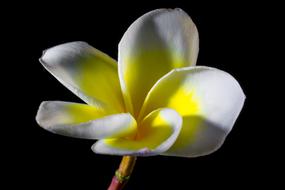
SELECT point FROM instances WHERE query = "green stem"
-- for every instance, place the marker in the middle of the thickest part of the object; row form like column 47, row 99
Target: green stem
column 123, row 174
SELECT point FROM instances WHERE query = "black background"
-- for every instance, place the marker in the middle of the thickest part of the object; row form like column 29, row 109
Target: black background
column 230, row 34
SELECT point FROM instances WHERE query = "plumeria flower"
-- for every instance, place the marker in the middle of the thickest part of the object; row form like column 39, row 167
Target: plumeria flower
column 154, row 101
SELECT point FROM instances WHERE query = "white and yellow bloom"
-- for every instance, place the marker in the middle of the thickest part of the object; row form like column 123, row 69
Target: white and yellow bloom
column 154, row 101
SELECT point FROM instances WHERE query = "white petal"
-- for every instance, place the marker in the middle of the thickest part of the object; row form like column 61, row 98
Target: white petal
column 153, row 45
column 87, row 72
column 83, row 121
column 208, row 99
column 156, row 133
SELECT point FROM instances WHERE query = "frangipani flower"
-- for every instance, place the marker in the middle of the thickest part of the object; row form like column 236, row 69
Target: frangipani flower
column 154, row 101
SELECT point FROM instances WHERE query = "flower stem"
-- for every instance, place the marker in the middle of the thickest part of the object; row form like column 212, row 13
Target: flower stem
column 123, row 174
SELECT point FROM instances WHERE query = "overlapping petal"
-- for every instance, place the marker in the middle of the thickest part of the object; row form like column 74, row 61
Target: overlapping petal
column 153, row 45
column 87, row 72
column 156, row 133
column 208, row 99
column 84, row 121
